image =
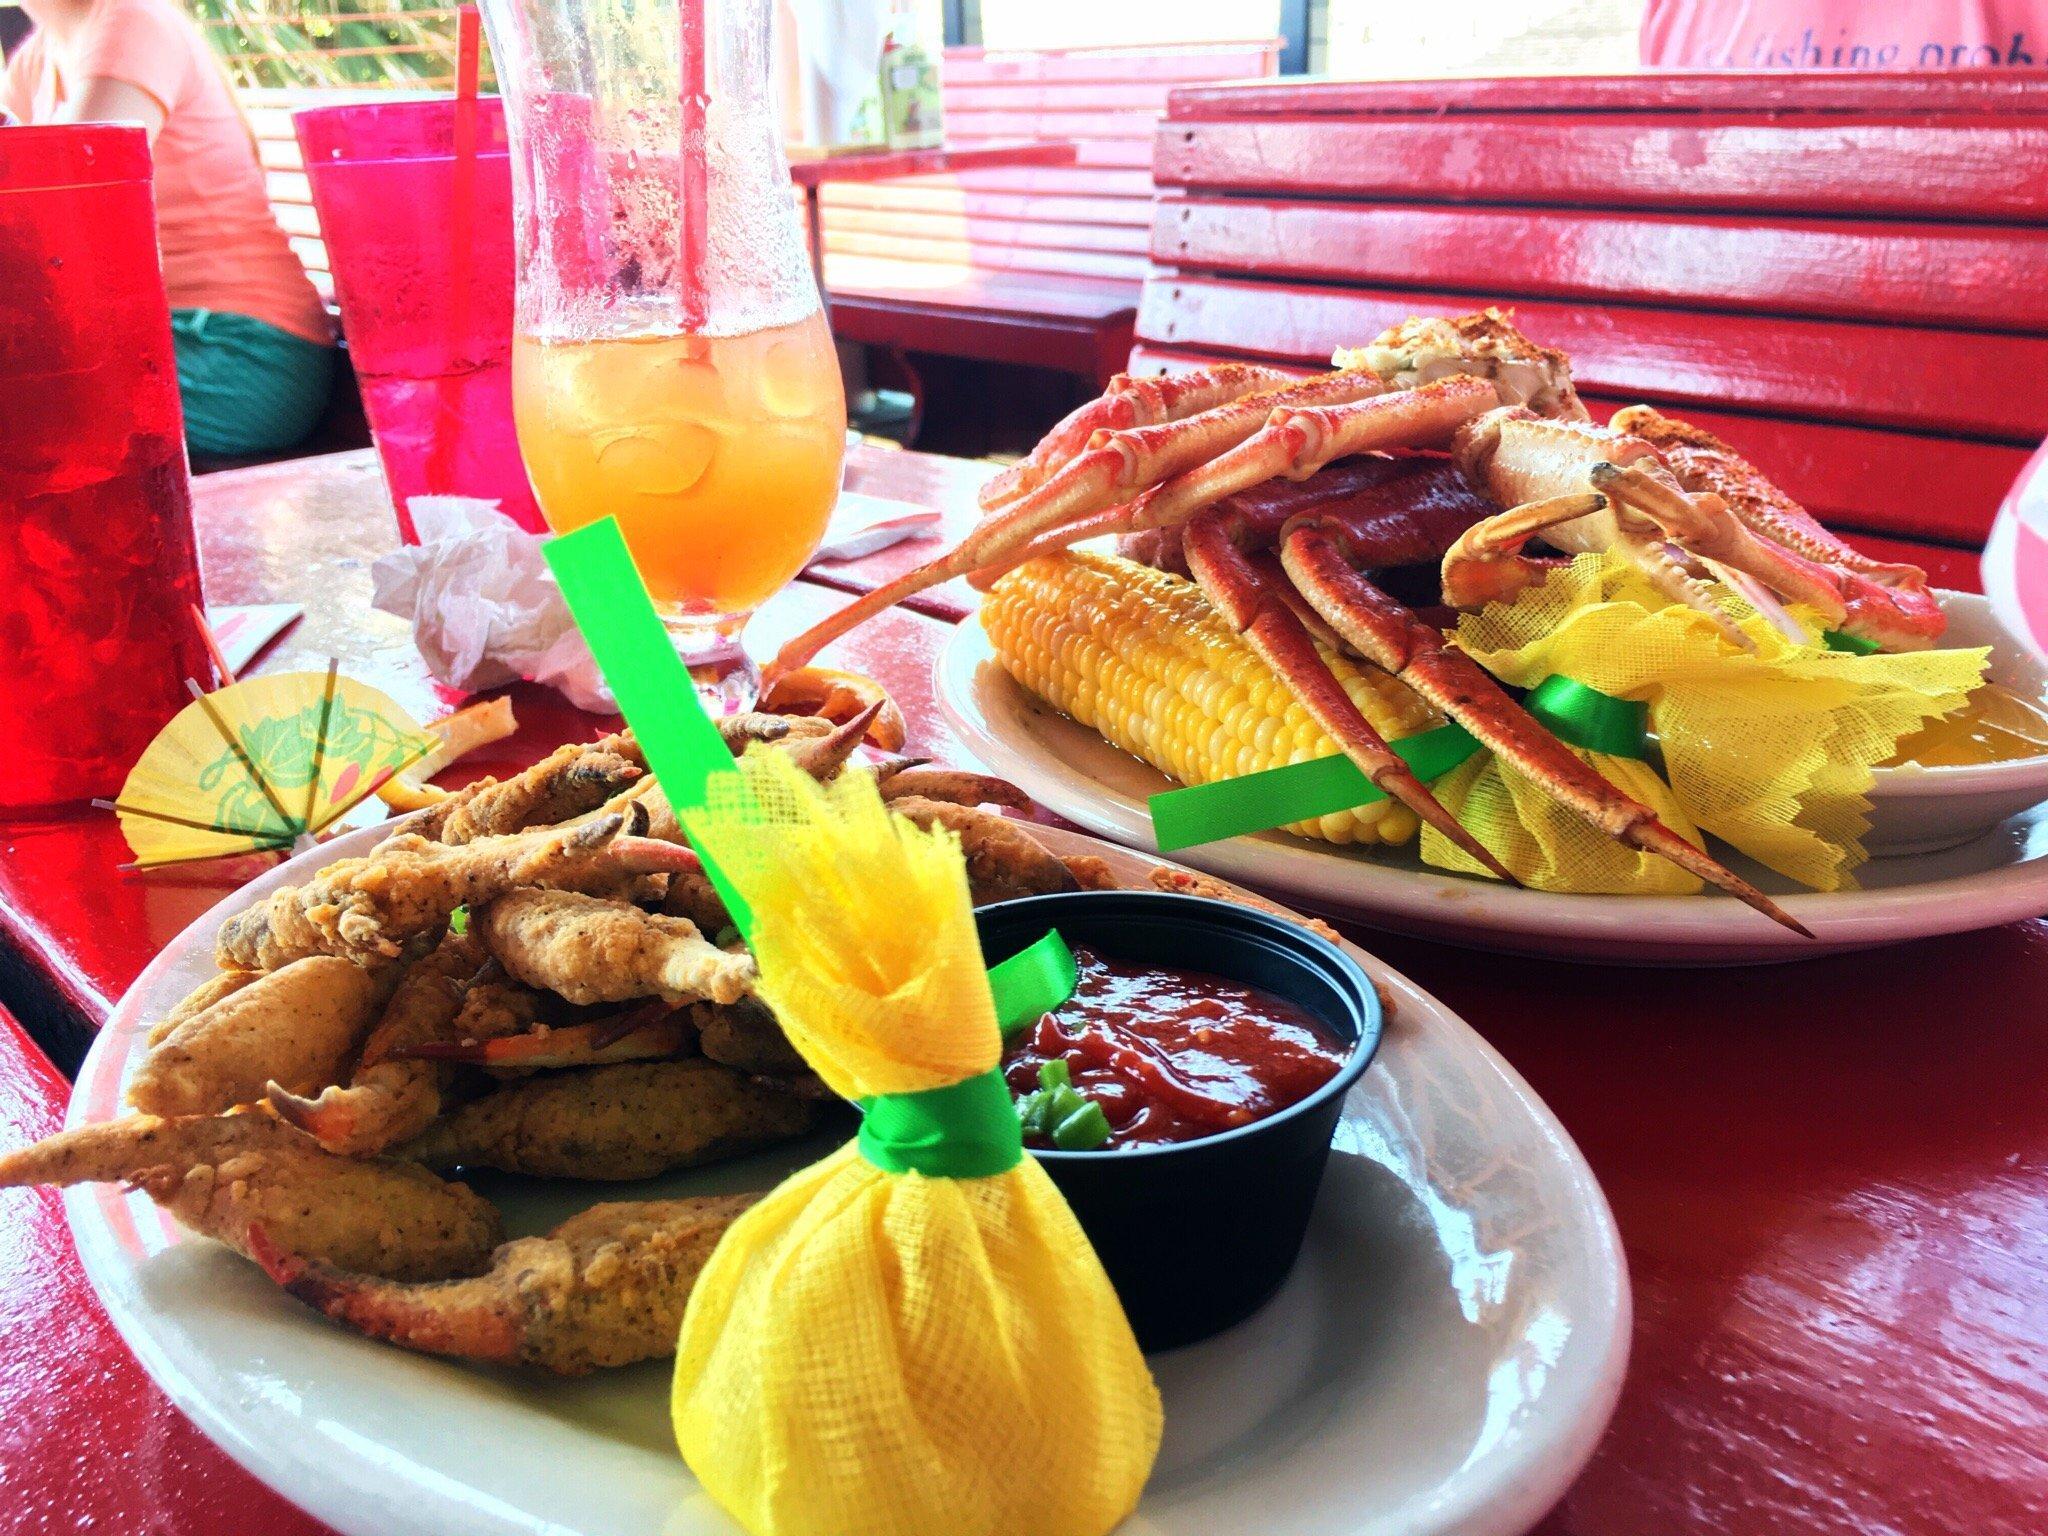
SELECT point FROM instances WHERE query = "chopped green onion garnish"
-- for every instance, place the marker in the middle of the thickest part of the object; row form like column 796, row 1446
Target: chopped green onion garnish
column 1061, row 1113
column 1083, row 1130
column 458, row 921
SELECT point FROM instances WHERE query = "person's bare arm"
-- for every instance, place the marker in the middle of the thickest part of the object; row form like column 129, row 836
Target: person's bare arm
column 114, row 101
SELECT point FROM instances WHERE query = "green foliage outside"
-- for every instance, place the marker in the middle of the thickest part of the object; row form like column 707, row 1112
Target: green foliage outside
column 350, row 44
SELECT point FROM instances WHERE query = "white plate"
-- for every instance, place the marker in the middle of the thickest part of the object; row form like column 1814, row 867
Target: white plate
column 1997, row 878
column 1442, row 1360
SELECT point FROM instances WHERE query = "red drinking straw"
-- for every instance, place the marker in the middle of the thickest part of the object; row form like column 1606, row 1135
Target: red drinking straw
column 693, row 194
column 461, row 223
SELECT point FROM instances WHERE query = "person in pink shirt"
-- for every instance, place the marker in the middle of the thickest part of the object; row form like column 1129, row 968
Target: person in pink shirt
column 1845, row 34
column 255, row 347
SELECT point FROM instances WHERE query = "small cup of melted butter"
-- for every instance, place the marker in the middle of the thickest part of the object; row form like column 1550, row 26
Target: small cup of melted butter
column 1962, row 775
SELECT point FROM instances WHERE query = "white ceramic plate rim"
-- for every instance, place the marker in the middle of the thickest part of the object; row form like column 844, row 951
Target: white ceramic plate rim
column 1355, row 883
column 371, row 1490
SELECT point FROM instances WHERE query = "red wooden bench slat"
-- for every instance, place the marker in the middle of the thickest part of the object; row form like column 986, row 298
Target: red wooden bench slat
column 1056, row 96
column 1110, row 154
column 1201, row 62
column 1124, row 182
column 972, row 251
column 1909, row 94
column 1916, row 274
column 1138, row 122
column 943, row 231
column 1969, row 382
column 946, row 196
column 1954, row 167
column 1857, row 478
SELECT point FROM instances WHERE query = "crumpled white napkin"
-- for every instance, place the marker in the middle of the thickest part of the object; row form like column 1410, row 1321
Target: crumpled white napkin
column 483, row 605
column 485, row 610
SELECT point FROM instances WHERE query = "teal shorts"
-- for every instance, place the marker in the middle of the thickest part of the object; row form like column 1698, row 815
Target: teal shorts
column 247, row 386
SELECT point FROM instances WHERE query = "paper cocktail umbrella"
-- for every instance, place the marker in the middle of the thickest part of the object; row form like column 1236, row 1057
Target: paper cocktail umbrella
column 261, row 764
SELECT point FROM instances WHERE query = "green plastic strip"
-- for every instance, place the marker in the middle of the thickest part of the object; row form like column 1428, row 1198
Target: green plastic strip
column 604, row 591
column 1032, row 982
column 1208, row 813
column 1588, row 718
column 965, row 1131
column 1855, row 645
column 968, row 1130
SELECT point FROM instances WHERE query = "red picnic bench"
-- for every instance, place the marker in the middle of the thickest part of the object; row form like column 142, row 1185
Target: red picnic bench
column 1038, row 265
column 1846, row 275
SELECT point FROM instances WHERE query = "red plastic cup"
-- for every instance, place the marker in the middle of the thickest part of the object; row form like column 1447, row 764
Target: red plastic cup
column 98, row 576
column 434, row 363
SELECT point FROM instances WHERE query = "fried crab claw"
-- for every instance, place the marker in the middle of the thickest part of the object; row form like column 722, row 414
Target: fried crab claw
column 595, row 951
column 225, row 1176
column 607, row 1287
column 455, row 993
column 630, row 1121
column 567, row 783
column 365, row 909
column 299, row 1025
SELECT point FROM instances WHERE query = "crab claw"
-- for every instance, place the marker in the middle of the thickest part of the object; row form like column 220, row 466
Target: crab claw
column 838, row 697
column 607, row 1287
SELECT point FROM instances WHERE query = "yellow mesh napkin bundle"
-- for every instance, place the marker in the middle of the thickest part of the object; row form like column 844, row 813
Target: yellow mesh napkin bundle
column 1770, row 750
column 874, row 1353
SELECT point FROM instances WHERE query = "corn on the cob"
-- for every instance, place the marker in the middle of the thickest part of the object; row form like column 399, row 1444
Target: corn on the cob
column 1140, row 657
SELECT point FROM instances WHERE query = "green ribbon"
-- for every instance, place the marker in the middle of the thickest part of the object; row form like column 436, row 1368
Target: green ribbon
column 1275, row 797
column 1588, row 718
column 966, row 1130
column 1032, row 982
column 1855, row 645
column 604, row 591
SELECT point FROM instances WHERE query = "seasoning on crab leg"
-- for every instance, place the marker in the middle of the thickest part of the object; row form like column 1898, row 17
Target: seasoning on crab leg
column 595, row 951
column 630, row 1121
column 1003, row 860
column 386, row 1101
column 201, row 998
column 223, row 1176
column 567, row 783
column 298, row 1025
column 747, row 1038
column 607, row 1287
column 366, row 908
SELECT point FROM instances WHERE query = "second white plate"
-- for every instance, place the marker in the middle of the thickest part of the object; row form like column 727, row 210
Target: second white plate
column 2000, row 877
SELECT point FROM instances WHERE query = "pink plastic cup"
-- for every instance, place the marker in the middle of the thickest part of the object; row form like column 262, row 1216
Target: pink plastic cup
column 434, row 362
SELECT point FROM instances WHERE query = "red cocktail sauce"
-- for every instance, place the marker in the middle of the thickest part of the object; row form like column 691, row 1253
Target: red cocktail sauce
column 1172, row 1055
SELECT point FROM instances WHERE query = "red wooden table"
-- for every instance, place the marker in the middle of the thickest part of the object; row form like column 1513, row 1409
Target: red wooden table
column 1831, row 1177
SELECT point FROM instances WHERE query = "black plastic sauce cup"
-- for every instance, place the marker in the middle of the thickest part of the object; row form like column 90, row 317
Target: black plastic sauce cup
column 1198, row 1235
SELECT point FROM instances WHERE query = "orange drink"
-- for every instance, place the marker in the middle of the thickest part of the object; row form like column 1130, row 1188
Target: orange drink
column 720, row 455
